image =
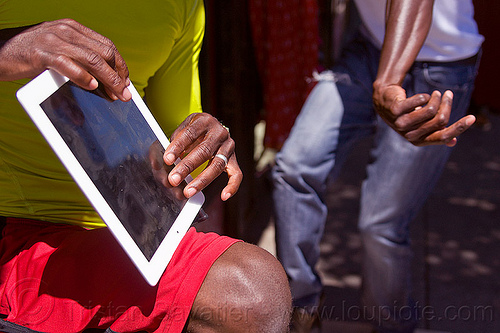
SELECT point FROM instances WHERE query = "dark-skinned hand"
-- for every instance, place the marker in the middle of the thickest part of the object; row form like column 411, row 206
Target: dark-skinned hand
column 422, row 119
column 199, row 138
column 69, row 48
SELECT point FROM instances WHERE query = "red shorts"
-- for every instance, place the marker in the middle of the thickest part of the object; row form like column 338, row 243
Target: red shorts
column 63, row 278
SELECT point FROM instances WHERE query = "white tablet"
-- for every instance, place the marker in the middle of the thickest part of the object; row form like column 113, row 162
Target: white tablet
column 114, row 151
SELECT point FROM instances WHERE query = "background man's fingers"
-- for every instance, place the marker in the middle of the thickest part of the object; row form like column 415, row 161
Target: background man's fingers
column 449, row 134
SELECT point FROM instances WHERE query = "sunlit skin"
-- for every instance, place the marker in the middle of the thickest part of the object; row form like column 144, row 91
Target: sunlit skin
column 89, row 59
column 422, row 119
column 236, row 278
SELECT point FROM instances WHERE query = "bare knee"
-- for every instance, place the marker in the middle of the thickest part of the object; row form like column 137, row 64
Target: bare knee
column 246, row 290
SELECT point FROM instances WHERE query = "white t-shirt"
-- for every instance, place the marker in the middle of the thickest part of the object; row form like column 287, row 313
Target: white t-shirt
column 453, row 34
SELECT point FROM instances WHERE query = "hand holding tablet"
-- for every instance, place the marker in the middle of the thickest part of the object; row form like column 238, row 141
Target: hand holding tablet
column 114, row 151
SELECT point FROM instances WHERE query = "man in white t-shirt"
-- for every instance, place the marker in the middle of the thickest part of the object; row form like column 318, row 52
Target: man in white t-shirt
column 407, row 73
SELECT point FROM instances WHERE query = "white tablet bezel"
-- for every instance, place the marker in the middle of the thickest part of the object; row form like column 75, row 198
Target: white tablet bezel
column 38, row 90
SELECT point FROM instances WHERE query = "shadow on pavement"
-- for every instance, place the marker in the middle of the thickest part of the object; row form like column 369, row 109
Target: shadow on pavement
column 456, row 239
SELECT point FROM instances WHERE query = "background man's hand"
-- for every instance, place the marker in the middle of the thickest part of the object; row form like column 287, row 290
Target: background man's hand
column 421, row 119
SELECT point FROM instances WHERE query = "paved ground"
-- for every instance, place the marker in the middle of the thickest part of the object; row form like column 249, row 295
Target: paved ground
column 456, row 239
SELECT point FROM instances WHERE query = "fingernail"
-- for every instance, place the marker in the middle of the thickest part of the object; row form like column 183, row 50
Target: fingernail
column 93, row 84
column 452, row 142
column 126, row 94
column 190, row 192
column 169, row 158
column 469, row 121
column 175, row 179
column 226, row 196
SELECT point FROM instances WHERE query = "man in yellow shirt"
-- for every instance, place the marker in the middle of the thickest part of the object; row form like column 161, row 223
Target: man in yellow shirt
column 56, row 274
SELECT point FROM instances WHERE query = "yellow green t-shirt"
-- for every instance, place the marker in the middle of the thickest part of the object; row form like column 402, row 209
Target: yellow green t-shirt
column 160, row 41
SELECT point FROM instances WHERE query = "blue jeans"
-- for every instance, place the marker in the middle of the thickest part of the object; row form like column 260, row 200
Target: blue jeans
column 400, row 176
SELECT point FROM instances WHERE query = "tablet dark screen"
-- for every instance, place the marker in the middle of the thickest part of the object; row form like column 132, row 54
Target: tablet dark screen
column 122, row 156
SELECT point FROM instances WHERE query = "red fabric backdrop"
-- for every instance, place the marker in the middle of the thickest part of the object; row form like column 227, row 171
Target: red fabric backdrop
column 487, row 81
column 285, row 36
